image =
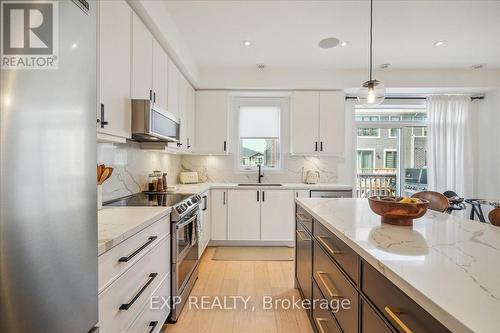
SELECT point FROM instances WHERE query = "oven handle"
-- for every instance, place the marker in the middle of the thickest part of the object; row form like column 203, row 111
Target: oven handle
column 180, row 225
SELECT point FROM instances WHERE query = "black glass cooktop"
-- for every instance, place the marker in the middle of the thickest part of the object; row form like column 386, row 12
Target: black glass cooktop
column 149, row 199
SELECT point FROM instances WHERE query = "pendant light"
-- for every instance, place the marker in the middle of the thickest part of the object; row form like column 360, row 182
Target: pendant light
column 371, row 92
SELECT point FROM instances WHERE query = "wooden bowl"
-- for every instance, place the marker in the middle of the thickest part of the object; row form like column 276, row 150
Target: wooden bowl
column 397, row 213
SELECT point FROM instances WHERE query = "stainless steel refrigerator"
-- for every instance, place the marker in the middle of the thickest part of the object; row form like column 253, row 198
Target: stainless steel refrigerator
column 48, row 219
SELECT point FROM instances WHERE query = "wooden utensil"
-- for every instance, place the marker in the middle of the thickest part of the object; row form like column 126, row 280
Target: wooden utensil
column 100, row 170
column 107, row 172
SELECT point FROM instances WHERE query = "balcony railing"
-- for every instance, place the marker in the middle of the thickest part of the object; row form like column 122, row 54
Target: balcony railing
column 371, row 182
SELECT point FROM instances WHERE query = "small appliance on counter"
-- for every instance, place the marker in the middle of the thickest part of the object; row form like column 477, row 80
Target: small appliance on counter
column 189, row 177
column 312, row 177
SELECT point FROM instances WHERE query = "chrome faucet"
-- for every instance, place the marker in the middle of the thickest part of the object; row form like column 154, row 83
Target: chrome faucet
column 261, row 175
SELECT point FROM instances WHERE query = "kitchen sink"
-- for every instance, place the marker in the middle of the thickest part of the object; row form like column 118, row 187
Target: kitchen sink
column 259, row 184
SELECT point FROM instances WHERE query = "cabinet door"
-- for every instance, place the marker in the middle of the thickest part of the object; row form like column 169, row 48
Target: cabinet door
column 160, row 75
column 332, row 122
column 243, row 215
column 205, row 225
column 304, row 122
column 115, row 28
column 211, row 122
column 173, row 89
column 218, row 207
column 277, row 215
column 190, row 117
column 302, row 194
column 142, row 59
column 182, row 114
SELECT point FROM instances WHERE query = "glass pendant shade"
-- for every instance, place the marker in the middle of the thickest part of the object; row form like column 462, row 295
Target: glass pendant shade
column 372, row 92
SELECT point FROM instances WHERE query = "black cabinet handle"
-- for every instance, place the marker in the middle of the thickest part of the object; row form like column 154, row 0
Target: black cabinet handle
column 136, row 252
column 127, row 306
column 179, row 144
column 257, row 195
column 188, row 145
column 150, row 94
column 225, row 145
column 205, row 202
column 154, row 97
column 153, row 325
column 316, row 146
column 263, row 196
column 321, row 146
column 224, row 197
column 102, row 121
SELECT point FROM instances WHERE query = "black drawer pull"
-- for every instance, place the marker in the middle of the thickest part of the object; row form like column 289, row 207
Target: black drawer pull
column 127, row 306
column 136, row 252
column 153, row 325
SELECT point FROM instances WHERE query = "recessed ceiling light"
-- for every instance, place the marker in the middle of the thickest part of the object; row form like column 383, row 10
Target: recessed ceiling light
column 478, row 66
column 247, row 43
column 385, row 66
column 261, row 67
column 440, row 42
column 344, row 43
column 328, row 43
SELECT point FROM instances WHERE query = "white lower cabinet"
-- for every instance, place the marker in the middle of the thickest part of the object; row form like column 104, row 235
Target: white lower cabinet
column 277, row 215
column 122, row 302
column 244, row 215
column 218, row 213
column 205, row 223
column 154, row 313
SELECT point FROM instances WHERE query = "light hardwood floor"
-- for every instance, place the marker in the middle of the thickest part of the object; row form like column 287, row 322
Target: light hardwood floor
column 243, row 278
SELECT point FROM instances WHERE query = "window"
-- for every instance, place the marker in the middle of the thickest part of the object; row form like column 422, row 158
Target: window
column 369, row 132
column 419, row 132
column 259, row 137
column 390, row 159
column 393, row 132
column 366, row 158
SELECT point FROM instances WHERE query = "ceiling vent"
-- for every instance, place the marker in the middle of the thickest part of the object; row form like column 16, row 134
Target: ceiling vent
column 261, row 67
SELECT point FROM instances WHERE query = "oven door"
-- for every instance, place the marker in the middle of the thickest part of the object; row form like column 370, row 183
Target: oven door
column 186, row 259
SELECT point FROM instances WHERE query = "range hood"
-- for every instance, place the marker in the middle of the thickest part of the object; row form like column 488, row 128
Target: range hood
column 151, row 123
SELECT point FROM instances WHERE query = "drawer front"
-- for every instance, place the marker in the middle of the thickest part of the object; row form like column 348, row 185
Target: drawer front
column 133, row 249
column 154, row 314
column 122, row 301
column 371, row 322
column 304, row 217
column 338, row 250
column 336, row 288
column 400, row 310
column 323, row 319
column 303, row 260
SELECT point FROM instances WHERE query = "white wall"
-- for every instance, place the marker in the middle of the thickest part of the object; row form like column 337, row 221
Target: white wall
column 488, row 147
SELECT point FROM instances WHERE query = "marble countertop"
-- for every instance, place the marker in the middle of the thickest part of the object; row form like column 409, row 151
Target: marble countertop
column 116, row 224
column 449, row 265
column 202, row 187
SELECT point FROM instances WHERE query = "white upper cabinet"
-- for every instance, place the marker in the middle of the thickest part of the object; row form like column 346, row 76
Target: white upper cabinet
column 317, row 123
column 114, row 68
column 304, row 122
column 332, row 123
column 211, row 121
column 277, row 215
column 142, row 60
column 190, row 117
column 173, row 89
column 160, row 75
column 243, row 214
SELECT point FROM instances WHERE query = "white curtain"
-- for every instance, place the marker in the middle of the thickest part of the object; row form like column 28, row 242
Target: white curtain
column 450, row 157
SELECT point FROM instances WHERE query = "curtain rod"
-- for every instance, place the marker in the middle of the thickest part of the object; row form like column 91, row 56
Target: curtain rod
column 473, row 98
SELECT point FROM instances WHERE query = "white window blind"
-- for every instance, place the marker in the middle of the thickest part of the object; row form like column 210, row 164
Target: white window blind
column 259, row 122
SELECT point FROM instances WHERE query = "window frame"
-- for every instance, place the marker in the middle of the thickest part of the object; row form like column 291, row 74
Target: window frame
column 368, row 136
column 389, row 150
column 372, row 150
column 237, row 101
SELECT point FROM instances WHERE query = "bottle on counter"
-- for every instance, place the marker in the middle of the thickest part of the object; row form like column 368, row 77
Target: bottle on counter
column 164, row 181
column 151, row 182
column 157, row 177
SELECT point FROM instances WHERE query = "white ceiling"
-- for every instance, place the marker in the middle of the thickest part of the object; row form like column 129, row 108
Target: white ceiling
column 285, row 34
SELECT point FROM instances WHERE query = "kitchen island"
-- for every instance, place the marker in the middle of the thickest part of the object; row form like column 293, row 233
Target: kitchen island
column 441, row 275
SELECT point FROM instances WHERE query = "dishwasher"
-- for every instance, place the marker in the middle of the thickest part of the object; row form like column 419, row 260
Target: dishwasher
column 331, row 194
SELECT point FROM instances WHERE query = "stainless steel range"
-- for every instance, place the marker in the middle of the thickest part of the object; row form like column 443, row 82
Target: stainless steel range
column 184, row 233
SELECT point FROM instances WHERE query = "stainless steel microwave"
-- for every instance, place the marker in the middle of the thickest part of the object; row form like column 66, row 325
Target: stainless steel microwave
column 150, row 123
